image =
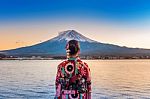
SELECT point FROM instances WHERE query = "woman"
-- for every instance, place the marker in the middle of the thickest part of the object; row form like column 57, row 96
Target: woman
column 73, row 79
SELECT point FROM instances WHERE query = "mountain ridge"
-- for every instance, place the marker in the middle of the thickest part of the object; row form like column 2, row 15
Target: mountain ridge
column 56, row 47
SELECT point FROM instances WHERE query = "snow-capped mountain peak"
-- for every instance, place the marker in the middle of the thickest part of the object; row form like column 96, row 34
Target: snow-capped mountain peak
column 56, row 47
column 70, row 35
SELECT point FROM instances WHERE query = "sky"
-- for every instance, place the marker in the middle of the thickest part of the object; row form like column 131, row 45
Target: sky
column 119, row 22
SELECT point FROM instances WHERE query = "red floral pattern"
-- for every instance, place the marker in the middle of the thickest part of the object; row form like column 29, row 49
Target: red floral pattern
column 84, row 71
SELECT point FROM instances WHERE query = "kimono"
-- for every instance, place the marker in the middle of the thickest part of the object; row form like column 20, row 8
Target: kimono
column 73, row 80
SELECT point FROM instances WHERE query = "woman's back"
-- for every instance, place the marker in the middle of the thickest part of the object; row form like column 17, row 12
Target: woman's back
column 73, row 79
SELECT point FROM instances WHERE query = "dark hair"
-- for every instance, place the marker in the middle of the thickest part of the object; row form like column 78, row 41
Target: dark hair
column 73, row 47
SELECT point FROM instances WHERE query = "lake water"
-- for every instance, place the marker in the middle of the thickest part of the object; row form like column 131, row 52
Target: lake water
column 111, row 79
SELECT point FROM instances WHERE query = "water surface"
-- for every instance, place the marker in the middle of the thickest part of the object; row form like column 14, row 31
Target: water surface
column 111, row 79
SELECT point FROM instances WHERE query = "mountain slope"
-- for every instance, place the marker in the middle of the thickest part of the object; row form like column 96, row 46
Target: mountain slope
column 56, row 47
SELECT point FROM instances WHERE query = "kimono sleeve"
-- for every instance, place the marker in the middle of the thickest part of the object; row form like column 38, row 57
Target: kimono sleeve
column 57, row 82
column 88, row 81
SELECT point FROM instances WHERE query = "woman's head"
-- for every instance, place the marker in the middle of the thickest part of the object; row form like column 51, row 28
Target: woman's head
column 72, row 47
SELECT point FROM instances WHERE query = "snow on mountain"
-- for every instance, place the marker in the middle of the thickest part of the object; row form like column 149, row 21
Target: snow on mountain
column 70, row 35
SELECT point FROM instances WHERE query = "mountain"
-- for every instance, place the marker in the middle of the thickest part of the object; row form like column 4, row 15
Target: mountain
column 71, row 34
column 56, row 47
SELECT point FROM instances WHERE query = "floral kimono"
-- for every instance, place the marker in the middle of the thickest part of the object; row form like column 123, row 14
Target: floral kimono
column 73, row 80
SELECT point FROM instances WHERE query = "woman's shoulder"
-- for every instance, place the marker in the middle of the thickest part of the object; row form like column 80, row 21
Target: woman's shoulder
column 83, row 63
column 64, row 62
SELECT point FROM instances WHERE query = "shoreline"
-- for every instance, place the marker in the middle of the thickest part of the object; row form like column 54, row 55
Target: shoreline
column 81, row 58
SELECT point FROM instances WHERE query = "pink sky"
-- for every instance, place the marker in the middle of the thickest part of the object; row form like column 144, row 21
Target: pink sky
column 26, row 33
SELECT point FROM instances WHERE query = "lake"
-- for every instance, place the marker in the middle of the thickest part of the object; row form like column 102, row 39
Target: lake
column 111, row 79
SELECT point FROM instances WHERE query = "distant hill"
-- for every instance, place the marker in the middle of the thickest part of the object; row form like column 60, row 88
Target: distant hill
column 56, row 47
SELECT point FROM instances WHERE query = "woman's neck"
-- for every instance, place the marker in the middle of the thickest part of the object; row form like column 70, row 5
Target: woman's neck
column 73, row 56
